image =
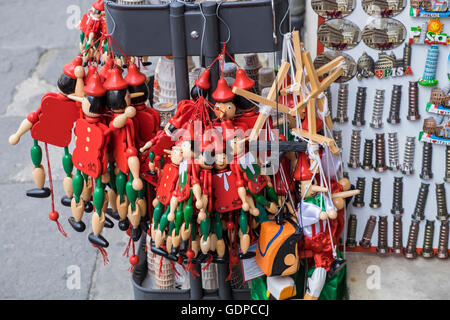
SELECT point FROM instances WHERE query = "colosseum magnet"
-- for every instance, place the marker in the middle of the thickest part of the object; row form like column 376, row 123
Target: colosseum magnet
column 383, row 8
column 430, row 8
column 339, row 34
column 330, row 9
column 349, row 65
column 384, row 33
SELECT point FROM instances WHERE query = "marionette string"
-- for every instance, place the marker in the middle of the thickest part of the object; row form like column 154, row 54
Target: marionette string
column 50, row 180
column 223, row 21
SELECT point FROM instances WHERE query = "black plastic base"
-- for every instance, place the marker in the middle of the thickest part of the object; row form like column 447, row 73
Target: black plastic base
column 98, row 240
column 66, row 201
column 77, row 226
column 39, row 193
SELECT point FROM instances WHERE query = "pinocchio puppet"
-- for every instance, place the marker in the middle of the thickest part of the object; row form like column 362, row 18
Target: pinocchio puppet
column 52, row 124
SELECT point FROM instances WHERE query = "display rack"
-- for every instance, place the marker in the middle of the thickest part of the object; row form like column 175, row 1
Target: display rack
column 181, row 29
column 410, row 128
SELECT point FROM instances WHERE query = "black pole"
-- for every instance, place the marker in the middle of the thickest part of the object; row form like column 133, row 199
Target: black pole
column 196, row 283
column 211, row 42
column 178, row 41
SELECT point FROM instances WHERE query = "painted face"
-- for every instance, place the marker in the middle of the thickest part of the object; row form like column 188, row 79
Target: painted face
column 225, row 110
column 221, row 161
column 176, row 155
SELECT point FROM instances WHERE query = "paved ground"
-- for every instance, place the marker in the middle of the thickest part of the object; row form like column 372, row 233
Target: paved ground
column 37, row 262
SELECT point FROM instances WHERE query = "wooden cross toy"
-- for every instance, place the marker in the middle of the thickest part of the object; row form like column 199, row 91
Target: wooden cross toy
column 302, row 61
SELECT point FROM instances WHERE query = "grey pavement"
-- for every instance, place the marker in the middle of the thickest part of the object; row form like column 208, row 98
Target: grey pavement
column 37, row 261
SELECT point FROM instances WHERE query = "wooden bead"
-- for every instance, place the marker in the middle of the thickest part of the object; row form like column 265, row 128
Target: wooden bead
column 323, row 215
column 345, row 183
column 332, row 214
column 39, row 176
column 339, row 203
column 68, row 188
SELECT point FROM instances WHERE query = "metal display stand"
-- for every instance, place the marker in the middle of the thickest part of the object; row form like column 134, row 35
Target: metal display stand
column 180, row 29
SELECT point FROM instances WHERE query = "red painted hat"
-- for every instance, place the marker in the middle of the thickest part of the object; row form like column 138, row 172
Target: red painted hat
column 302, row 172
column 135, row 77
column 91, row 70
column 99, row 5
column 69, row 69
column 223, row 92
column 242, row 81
column 94, row 87
column 104, row 71
column 114, row 81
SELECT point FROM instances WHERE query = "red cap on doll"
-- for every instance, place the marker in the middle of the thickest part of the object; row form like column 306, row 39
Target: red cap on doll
column 223, row 92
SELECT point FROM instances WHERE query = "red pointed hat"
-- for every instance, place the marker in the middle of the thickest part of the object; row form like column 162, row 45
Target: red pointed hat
column 203, row 81
column 99, row 5
column 302, row 172
column 69, row 69
column 91, row 70
column 135, row 77
column 243, row 81
column 94, row 87
column 223, row 92
column 114, row 81
column 104, row 71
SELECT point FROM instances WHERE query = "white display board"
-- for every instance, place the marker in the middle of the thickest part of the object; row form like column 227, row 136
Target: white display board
column 405, row 128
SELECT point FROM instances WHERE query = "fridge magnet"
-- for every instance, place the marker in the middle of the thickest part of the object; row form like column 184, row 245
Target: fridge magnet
column 384, row 34
column 439, row 101
column 365, row 67
column 339, row 34
column 383, row 8
column 388, row 65
column 330, row 9
column 430, row 32
column 434, row 133
column 349, row 65
column 429, row 8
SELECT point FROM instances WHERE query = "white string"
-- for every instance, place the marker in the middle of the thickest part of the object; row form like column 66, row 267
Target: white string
column 223, row 21
column 112, row 18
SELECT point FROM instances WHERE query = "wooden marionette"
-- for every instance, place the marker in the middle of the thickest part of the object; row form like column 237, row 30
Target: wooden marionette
column 146, row 121
column 188, row 183
column 52, row 124
column 92, row 27
column 317, row 215
column 164, row 194
column 90, row 158
column 210, row 145
column 165, row 139
column 123, row 150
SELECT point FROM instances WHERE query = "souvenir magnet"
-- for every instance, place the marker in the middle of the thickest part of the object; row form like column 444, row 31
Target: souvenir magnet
column 339, row 34
column 384, row 34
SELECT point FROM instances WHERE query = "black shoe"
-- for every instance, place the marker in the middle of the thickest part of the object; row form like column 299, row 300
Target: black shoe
column 172, row 257
column 184, row 246
column 146, row 64
column 158, row 251
column 136, row 234
column 336, row 266
column 66, row 201
column 88, row 207
column 216, row 259
column 39, row 193
column 77, row 226
column 113, row 214
column 98, row 240
column 124, row 225
column 108, row 223
column 175, row 251
column 248, row 255
column 202, row 257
